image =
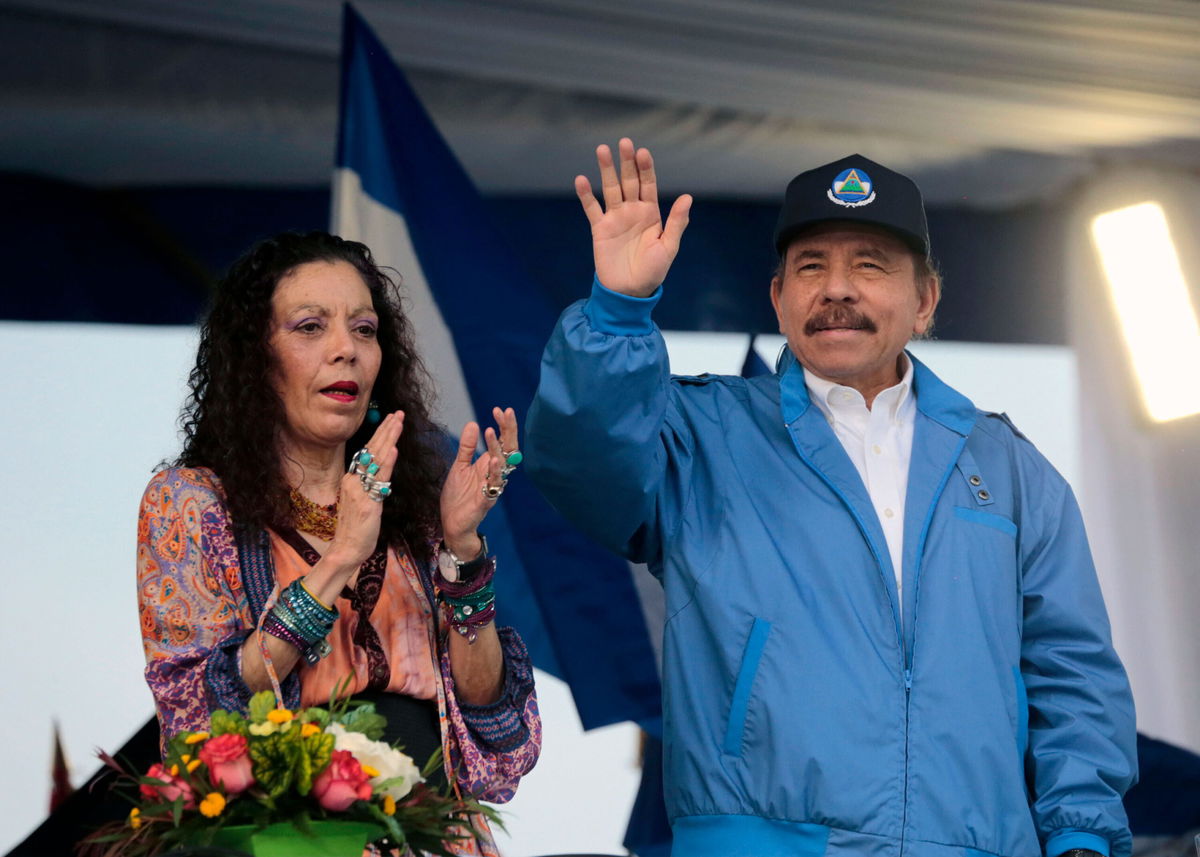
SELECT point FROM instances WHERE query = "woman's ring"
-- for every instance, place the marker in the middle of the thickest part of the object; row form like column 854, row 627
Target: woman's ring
column 362, row 462
column 377, row 490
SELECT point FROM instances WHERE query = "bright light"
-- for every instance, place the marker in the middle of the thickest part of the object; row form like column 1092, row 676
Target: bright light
column 1154, row 307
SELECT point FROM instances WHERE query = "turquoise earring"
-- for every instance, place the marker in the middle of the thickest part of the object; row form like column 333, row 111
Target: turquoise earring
column 374, row 417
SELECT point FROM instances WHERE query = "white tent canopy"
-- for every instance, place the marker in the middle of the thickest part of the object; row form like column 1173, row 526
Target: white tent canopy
column 986, row 102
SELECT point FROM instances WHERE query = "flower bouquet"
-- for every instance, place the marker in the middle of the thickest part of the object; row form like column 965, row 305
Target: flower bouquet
column 307, row 774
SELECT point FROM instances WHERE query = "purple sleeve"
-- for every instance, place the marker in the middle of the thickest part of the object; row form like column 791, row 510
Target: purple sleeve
column 193, row 608
column 493, row 746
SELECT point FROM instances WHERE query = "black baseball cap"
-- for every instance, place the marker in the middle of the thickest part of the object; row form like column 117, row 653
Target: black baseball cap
column 855, row 189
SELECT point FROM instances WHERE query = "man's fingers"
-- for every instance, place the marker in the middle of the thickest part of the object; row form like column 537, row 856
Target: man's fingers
column 609, row 184
column 591, row 205
column 648, row 182
column 629, row 171
column 677, row 221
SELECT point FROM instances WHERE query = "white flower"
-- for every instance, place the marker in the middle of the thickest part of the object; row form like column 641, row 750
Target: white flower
column 390, row 763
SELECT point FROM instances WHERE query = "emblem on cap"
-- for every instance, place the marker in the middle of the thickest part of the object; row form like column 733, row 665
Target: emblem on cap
column 851, row 188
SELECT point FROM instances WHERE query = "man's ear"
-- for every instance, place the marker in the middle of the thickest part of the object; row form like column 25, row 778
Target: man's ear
column 776, row 289
column 927, row 306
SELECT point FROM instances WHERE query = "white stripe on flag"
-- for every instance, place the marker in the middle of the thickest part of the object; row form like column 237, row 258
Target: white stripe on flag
column 358, row 217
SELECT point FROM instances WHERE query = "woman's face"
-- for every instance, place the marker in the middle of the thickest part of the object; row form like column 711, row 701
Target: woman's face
column 324, row 336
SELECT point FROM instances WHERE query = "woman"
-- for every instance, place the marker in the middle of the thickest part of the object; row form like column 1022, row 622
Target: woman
column 311, row 529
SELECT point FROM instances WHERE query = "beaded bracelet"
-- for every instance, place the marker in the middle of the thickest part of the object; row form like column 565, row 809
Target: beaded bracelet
column 472, row 602
column 306, row 606
column 276, row 628
column 300, row 619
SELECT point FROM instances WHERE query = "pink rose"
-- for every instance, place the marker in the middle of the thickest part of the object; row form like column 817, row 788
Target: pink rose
column 341, row 783
column 228, row 759
column 173, row 787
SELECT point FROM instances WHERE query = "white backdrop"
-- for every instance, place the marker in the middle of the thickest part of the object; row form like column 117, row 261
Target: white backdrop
column 92, row 409
column 1141, row 480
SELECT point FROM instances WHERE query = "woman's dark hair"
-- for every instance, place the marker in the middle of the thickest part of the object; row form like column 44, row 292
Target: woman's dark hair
column 233, row 416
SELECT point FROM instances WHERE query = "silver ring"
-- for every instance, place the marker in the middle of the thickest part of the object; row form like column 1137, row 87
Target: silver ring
column 377, row 491
column 492, row 491
column 357, row 467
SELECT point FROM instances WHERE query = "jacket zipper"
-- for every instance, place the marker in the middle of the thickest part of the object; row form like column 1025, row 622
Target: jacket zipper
column 905, row 667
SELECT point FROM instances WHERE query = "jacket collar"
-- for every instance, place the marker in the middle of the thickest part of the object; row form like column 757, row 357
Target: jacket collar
column 935, row 399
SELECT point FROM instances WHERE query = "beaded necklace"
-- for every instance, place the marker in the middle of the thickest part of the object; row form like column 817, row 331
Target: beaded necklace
column 313, row 518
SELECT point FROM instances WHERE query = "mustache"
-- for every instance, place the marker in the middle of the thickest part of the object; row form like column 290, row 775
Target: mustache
column 839, row 316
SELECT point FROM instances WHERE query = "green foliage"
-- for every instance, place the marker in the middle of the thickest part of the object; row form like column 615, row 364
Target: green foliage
column 274, row 758
column 285, row 762
column 434, row 764
column 389, row 822
column 315, row 753
column 315, row 715
column 363, row 718
column 224, row 722
column 261, row 704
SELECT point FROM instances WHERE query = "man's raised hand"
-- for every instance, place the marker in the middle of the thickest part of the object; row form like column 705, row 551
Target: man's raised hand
column 632, row 247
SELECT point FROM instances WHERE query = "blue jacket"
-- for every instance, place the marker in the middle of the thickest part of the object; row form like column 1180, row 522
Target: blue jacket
column 802, row 715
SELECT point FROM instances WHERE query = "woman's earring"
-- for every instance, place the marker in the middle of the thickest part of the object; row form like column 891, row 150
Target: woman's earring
column 373, row 415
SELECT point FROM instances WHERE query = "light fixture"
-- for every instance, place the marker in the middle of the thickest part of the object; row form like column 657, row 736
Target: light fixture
column 1154, row 307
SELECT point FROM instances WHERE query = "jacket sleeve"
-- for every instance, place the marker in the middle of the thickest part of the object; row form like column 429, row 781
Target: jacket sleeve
column 599, row 436
column 193, row 609
column 1082, row 736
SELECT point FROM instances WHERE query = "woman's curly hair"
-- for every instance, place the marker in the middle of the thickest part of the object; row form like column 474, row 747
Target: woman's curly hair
column 233, row 415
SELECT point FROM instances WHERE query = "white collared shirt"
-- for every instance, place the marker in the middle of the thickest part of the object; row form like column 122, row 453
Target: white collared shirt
column 879, row 442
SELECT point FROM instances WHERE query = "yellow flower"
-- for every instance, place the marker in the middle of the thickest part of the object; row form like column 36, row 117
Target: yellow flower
column 212, row 805
column 309, row 729
column 174, row 770
column 280, row 716
column 389, row 805
column 134, row 818
column 196, row 738
column 369, row 771
column 192, row 765
column 264, row 729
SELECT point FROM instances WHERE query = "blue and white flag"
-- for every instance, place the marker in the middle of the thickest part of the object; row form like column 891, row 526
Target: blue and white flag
column 481, row 324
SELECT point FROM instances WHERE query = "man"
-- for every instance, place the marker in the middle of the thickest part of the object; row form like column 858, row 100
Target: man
column 884, row 633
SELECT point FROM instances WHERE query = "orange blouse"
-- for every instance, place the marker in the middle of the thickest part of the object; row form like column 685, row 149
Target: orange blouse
column 402, row 617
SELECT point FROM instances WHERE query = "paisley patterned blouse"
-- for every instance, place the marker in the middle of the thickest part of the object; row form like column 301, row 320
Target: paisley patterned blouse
column 200, row 592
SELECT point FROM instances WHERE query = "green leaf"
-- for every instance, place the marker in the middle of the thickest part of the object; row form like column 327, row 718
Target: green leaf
column 389, row 822
column 384, row 785
column 364, row 719
column 273, row 761
column 225, row 722
column 318, row 716
column 315, row 753
column 261, row 704
column 434, row 763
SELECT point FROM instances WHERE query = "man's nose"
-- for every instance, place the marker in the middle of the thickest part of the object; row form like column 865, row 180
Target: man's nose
column 839, row 286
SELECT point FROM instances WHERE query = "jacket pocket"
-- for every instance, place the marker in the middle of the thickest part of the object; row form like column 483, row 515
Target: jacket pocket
column 736, row 725
column 988, row 519
column 1022, row 720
